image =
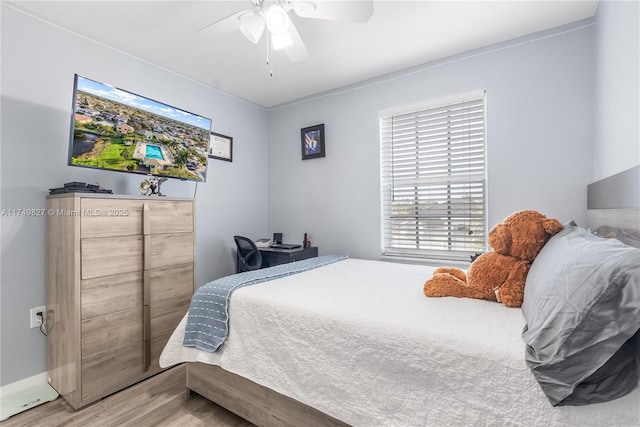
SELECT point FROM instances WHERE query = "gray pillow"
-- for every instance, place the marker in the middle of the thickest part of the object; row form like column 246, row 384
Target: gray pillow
column 582, row 311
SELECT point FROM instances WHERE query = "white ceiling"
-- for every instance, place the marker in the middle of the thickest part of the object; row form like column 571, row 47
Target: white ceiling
column 400, row 34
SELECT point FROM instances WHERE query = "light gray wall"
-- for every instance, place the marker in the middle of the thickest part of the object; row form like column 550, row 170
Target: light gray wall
column 539, row 139
column 540, row 146
column 617, row 87
column 38, row 65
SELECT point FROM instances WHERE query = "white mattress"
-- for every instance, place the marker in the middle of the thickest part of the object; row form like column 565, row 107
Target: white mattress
column 359, row 341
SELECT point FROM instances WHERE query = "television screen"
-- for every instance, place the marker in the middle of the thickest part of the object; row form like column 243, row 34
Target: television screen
column 118, row 130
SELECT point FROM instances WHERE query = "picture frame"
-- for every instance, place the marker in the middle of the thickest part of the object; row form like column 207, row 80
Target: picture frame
column 312, row 142
column 220, row 147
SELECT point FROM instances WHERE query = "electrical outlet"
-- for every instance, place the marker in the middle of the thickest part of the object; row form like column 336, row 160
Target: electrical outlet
column 35, row 320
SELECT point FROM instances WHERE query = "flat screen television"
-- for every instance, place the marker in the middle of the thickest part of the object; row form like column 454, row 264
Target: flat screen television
column 117, row 130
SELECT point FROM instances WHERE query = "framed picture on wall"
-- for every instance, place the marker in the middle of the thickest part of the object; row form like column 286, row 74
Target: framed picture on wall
column 312, row 141
column 220, row 147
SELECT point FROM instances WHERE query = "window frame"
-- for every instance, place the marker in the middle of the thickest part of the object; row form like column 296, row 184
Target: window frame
column 426, row 180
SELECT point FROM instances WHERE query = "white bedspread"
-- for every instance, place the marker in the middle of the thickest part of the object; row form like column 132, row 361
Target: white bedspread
column 359, row 341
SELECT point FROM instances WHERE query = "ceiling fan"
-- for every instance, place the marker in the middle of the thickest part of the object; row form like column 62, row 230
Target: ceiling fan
column 273, row 15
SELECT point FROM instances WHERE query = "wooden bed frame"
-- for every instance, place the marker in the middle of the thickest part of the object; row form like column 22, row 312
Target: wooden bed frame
column 253, row 402
column 265, row 407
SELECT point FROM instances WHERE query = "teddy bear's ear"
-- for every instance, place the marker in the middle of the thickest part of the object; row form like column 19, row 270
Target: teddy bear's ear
column 552, row 226
column 500, row 239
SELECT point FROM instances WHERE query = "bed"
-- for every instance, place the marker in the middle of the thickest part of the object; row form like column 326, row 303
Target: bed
column 355, row 342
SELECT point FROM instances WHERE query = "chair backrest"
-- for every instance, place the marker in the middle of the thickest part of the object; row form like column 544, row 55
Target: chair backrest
column 249, row 256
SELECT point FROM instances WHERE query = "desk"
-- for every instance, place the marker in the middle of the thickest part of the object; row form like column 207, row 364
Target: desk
column 273, row 256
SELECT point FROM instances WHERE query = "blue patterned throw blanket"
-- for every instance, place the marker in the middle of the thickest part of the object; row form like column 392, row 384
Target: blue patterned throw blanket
column 208, row 321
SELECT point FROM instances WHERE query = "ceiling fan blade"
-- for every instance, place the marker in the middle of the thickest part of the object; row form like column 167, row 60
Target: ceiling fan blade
column 297, row 51
column 352, row 10
column 224, row 26
column 252, row 26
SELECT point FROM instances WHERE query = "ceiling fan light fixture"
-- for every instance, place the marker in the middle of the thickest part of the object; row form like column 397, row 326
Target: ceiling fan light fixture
column 252, row 26
column 277, row 19
column 281, row 41
column 304, row 8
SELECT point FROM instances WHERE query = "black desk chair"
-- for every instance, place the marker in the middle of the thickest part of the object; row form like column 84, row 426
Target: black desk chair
column 248, row 255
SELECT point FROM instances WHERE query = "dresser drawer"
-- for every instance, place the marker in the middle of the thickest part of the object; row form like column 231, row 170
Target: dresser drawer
column 157, row 345
column 110, row 218
column 171, row 217
column 111, row 255
column 103, row 333
column 108, row 294
column 165, row 315
column 110, row 371
column 169, row 249
column 172, row 282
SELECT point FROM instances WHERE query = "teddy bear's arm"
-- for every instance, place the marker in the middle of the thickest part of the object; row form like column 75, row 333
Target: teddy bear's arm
column 512, row 290
column 455, row 272
column 552, row 226
column 447, row 285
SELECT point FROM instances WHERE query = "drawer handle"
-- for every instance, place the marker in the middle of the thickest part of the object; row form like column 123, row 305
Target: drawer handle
column 146, row 320
column 146, row 350
column 146, row 287
column 146, row 219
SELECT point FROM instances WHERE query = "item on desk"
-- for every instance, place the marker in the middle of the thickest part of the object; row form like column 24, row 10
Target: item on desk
column 284, row 246
column 307, row 241
column 304, row 241
column 277, row 237
column 263, row 243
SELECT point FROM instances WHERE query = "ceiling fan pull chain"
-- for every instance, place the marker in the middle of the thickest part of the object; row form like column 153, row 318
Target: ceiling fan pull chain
column 268, row 50
column 269, row 54
column 271, row 66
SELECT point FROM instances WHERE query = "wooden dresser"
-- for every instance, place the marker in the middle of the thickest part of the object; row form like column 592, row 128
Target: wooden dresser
column 120, row 275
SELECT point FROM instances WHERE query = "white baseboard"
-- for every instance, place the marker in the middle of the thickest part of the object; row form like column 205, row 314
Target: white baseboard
column 23, row 384
column 25, row 394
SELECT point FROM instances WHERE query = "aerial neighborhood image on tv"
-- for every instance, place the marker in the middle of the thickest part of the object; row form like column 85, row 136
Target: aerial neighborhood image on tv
column 118, row 130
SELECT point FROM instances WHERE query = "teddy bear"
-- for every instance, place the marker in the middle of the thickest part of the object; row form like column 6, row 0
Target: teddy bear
column 499, row 275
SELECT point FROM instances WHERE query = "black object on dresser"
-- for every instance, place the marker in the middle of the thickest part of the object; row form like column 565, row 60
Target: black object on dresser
column 274, row 256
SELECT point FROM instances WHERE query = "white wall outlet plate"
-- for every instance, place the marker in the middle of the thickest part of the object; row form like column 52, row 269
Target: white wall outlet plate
column 35, row 320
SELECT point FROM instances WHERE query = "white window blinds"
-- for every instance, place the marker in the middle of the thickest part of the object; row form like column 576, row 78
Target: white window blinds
column 433, row 180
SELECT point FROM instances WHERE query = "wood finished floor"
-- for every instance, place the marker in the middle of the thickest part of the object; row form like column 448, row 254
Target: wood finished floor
column 162, row 400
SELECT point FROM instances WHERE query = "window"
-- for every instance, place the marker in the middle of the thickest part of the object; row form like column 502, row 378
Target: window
column 433, row 179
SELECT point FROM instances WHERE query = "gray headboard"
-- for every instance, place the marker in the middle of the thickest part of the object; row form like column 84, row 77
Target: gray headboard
column 614, row 206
